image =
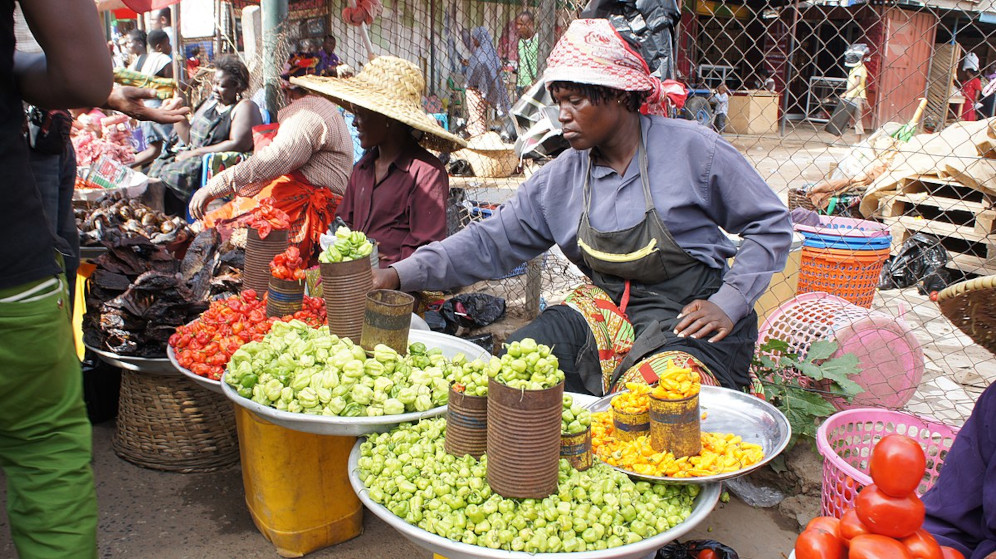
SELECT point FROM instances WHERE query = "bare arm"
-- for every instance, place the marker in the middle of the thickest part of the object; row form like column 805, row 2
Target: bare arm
column 246, row 116
column 75, row 70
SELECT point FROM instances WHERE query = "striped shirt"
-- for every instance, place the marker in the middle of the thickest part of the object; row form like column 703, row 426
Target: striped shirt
column 312, row 138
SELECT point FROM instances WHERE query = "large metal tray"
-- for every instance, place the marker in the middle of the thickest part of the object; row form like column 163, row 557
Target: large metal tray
column 358, row 426
column 91, row 253
column 729, row 411
column 152, row 366
column 704, row 503
column 212, row 385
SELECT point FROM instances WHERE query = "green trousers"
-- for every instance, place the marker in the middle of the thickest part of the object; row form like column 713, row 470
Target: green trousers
column 45, row 436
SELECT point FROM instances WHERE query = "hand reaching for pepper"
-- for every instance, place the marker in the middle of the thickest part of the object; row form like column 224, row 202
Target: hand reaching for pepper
column 701, row 318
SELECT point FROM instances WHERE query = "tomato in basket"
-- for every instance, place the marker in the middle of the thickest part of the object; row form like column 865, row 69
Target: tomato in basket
column 896, row 517
column 897, row 465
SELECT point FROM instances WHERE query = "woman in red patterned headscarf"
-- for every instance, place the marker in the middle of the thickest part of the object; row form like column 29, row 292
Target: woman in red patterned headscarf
column 640, row 204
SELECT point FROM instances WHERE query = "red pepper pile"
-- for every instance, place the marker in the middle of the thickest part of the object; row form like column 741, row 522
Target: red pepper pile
column 265, row 218
column 288, row 265
column 205, row 345
column 887, row 518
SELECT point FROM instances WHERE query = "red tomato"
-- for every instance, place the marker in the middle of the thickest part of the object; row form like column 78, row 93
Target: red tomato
column 933, row 296
column 874, row 546
column 851, row 527
column 922, row 545
column 707, row 554
column 817, row 544
column 896, row 517
column 897, row 465
column 951, row 553
column 826, row 524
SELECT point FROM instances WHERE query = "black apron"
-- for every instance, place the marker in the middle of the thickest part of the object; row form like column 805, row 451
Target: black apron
column 651, row 279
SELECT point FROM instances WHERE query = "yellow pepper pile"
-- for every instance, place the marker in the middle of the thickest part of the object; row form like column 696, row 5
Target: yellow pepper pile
column 637, row 400
column 677, row 383
column 721, row 453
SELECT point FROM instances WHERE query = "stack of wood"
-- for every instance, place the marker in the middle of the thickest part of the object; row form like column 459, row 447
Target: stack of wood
column 943, row 184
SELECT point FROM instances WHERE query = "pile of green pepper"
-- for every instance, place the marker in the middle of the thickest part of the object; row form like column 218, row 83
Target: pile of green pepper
column 348, row 245
column 301, row 369
column 409, row 472
column 574, row 419
column 528, row 365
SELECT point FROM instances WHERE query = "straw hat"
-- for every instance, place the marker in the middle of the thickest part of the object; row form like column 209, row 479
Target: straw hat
column 971, row 306
column 392, row 87
column 489, row 156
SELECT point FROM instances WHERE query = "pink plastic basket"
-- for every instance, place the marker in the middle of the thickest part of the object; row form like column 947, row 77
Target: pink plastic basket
column 836, row 226
column 889, row 355
column 845, row 441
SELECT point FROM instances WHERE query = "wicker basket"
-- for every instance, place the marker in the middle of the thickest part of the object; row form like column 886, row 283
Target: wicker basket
column 797, row 199
column 489, row 156
column 168, row 423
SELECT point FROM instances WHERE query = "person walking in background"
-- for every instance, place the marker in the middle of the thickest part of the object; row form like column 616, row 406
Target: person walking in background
column 856, row 91
column 528, row 52
column 722, row 99
column 164, row 22
column 485, row 87
column 970, row 89
column 193, row 61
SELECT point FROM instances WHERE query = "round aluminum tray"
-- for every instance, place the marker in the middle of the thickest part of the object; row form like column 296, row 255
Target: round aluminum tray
column 212, row 385
column 152, row 366
column 704, row 503
column 729, row 411
column 91, row 253
column 358, row 426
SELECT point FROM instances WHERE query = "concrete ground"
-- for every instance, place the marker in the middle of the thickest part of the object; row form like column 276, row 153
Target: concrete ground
column 148, row 514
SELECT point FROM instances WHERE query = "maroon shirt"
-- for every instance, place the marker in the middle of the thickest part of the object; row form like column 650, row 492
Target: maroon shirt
column 411, row 203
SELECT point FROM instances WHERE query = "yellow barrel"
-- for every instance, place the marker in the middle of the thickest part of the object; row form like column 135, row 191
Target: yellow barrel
column 576, row 449
column 629, row 426
column 676, row 426
column 297, row 485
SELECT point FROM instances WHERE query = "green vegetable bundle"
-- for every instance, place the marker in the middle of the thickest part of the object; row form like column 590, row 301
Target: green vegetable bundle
column 301, row 369
column 528, row 365
column 409, row 472
column 575, row 419
column 348, row 245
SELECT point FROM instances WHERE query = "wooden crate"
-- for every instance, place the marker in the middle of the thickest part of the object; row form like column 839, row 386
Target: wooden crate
column 961, row 217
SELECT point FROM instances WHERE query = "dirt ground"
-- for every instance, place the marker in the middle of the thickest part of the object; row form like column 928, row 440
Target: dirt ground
column 157, row 515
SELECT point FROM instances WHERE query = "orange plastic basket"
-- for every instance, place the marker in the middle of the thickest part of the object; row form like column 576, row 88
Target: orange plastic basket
column 848, row 274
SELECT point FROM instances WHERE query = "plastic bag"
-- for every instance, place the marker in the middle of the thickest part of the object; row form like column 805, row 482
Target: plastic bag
column 647, row 24
column 537, row 124
column 692, row 548
column 465, row 311
column 921, row 261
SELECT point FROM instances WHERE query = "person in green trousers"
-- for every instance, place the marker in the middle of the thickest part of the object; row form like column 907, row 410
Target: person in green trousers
column 45, row 437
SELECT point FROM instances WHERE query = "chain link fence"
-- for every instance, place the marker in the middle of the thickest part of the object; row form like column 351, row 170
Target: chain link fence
column 894, row 131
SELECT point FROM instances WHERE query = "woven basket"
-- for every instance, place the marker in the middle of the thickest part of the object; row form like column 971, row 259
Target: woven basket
column 971, row 306
column 797, row 199
column 489, row 156
column 168, row 423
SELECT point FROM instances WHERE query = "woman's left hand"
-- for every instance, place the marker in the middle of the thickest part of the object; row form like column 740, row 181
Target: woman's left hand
column 186, row 154
column 700, row 318
column 199, row 202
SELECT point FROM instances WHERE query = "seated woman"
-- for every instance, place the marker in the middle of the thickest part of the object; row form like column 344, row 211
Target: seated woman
column 304, row 169
column 662, row 289
column 397, row 192
column 961, row 505
column 222, row 123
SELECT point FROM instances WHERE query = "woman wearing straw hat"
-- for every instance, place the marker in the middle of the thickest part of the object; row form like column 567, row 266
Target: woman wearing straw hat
column 397, row 191
column 639, row 203
column 303, row 170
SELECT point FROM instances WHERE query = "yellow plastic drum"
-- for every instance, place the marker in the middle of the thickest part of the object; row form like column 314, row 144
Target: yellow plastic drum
column 297, row 485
